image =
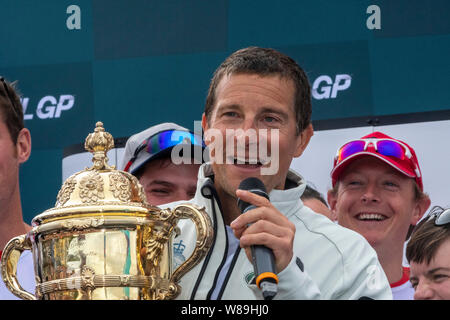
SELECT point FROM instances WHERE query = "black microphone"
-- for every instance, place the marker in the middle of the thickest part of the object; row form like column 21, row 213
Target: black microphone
column 263, row 259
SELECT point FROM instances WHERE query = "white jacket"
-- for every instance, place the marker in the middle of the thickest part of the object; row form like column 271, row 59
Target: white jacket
column 329, row 262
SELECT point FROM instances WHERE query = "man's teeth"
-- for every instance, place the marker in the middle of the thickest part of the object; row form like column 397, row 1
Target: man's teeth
column 247, row 161
column 371, row 216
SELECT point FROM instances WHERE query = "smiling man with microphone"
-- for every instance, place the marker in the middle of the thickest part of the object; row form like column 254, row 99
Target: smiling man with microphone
column 266, row 243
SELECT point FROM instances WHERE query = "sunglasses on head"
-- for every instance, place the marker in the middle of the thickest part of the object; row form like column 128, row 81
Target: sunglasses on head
column 385, row 147
column 440, row 215
column 164, row 140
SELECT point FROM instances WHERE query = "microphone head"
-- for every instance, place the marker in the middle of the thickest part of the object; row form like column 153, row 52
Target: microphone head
column 253, row 185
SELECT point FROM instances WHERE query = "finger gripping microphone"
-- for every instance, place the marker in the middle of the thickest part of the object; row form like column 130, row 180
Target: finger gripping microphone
column 263, row 259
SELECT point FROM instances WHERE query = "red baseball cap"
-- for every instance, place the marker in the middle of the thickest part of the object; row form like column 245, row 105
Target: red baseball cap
column 396, row 153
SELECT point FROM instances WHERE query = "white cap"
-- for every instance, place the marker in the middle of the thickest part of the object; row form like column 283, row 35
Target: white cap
column 137, row 141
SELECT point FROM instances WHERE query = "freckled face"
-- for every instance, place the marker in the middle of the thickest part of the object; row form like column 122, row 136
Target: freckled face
column 376, row 201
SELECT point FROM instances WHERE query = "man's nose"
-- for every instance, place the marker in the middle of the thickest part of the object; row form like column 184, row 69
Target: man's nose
column 247, row 134
column 423, row 291
column 249, row 123
column 371, row 194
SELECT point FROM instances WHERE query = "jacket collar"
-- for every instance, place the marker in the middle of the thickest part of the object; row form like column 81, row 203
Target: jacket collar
column 288, row 200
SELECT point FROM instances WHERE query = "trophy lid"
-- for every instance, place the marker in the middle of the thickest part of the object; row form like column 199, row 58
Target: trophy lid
column 100, row 189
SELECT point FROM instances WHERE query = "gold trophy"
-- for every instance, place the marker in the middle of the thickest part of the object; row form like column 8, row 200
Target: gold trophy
column 102, row 240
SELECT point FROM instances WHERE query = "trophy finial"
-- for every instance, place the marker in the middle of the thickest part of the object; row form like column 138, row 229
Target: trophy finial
column 99, row 143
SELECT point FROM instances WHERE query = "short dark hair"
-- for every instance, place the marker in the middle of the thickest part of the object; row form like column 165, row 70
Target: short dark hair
column 266, row 62
column 11, row 110
column 427, row 238
column 311, row 193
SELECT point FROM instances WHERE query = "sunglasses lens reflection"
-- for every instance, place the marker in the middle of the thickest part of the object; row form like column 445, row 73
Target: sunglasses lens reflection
column 351, row 148
column 391, row 149
column 169, row 139
column 384, row 147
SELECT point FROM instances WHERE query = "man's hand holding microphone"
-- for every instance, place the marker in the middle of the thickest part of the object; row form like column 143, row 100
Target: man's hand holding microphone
column 265, row 233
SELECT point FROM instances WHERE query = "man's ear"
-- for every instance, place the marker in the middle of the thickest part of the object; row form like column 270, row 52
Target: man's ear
column 332, row 201
column 302, row 140
column 204, row 122
column 420, row 208
column 23, row 145
column 205, row 127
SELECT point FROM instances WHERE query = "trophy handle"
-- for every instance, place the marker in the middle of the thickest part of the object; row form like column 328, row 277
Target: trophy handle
column 204, row 239
column 10, row 258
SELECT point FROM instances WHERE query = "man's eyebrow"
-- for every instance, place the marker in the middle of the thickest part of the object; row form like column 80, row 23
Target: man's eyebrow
column 265, row 109
column 232, row 106
column 268, row 109
column 437, row 269
column 161, row 182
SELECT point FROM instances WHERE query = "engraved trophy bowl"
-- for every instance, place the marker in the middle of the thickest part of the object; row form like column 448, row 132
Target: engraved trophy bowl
column 102, row 240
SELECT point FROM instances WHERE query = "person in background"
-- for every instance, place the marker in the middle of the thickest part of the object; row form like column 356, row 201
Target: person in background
column 428, row 253
column 378, row 192
column 314, row 200
column 15, row 149
column 148, row 156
